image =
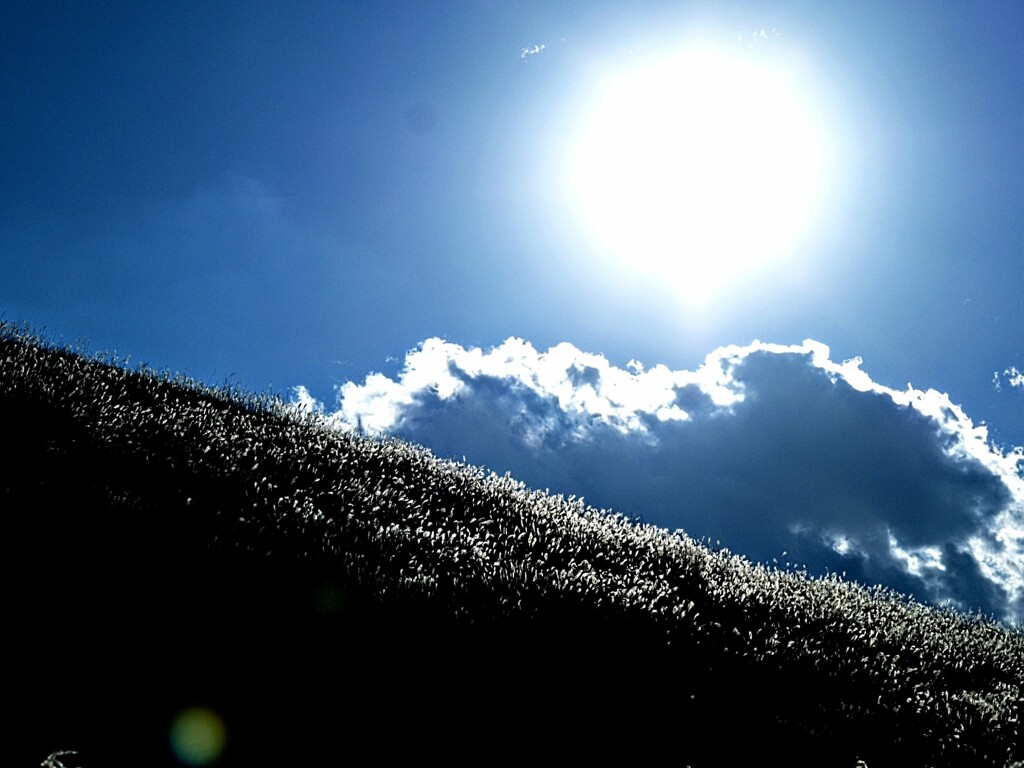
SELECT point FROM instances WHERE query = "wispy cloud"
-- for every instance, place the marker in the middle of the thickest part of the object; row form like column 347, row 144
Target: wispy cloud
column 1011, row 376
column 532, row 51
column 766, row 448
column 757, row 37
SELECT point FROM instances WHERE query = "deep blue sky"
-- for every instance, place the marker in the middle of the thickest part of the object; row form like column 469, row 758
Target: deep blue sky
column 300, row 194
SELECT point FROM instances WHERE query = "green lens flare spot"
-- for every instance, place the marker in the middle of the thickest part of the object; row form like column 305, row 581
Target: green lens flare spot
column 197, row 736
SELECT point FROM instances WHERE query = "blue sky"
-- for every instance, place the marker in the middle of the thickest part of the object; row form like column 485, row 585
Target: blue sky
column 315, row 195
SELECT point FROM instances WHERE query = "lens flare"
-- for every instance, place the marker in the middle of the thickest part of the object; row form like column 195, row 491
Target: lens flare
column 197, row 736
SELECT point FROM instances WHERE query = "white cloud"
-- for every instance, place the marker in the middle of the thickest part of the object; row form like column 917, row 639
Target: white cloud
column 532, row 51
column 1014, row 379
column 303, row 401
column 757, row 37
column 763, row 447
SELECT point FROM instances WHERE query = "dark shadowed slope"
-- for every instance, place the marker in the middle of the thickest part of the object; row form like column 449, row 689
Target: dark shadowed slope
column 170, row 545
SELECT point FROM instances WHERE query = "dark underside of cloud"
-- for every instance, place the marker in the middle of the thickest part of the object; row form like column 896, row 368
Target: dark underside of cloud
column 803, row 467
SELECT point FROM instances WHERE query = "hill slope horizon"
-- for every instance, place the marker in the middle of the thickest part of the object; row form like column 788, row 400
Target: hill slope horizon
column 327, row 594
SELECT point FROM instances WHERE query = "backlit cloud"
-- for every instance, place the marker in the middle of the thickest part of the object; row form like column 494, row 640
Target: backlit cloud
column 775, row 451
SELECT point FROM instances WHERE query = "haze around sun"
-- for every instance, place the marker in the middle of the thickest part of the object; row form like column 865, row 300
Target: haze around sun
column 700, row 166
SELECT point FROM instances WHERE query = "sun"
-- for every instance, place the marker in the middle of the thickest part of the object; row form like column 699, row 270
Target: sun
column 700, row 168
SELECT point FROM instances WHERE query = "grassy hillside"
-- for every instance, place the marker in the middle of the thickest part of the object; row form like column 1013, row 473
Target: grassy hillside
column 328, row 595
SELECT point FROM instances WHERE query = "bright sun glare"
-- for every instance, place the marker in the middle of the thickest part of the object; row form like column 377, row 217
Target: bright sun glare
column 699, row 168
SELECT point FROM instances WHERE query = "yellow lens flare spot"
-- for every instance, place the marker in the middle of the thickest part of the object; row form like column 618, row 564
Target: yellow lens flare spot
column 698, row 168
column 197, row 736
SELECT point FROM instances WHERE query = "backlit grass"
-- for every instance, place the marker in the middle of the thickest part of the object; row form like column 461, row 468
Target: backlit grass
column 180, row 545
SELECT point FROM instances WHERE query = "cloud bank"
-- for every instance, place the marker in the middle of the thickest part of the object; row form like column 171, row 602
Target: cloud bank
column 776, row 452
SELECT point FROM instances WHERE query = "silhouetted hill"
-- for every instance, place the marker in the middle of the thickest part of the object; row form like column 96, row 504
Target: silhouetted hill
column 331, row 597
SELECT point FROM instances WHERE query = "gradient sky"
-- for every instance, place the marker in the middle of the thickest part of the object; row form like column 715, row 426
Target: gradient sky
column 304, row 194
